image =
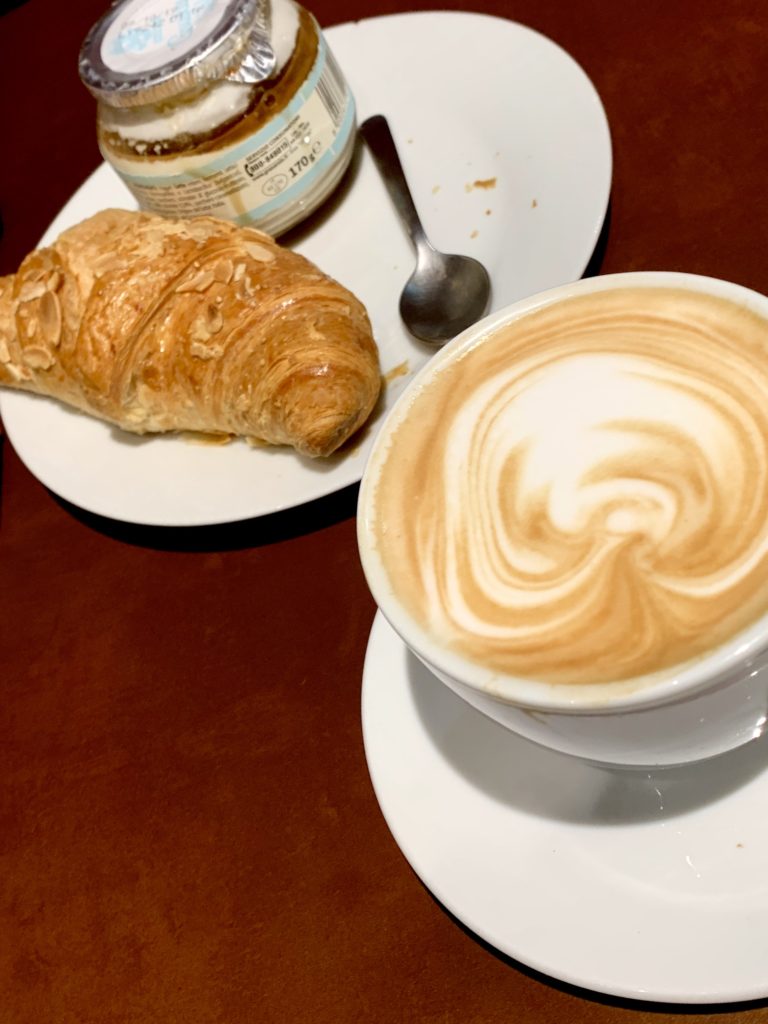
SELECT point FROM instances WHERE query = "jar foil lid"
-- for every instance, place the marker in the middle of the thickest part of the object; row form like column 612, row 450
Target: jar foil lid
column 147, row 51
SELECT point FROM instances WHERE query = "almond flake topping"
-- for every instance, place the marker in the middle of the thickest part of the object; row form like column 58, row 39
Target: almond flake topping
column 199, row 283
column 259, row 252
column 198, row 330
column 214, row 321
column 38, row 358
column 5, row 355
column 31, row 290
column 18, row 372
column 50, row 318
column 255, row 233
column 202, row 351
column 223, row 271
column 103, row 263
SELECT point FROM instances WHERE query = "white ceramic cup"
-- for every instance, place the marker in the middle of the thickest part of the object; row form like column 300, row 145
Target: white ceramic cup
column 683, row 714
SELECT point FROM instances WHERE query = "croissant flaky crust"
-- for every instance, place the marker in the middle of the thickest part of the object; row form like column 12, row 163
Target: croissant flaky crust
column 197, row 325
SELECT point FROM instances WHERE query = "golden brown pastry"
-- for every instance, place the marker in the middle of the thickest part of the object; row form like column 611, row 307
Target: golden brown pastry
column 160, row 325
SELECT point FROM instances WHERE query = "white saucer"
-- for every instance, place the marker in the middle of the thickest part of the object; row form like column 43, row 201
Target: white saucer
column 647, row 886
column 507, row 148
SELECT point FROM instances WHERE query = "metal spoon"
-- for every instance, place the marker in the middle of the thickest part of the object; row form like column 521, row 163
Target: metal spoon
column 445, row 293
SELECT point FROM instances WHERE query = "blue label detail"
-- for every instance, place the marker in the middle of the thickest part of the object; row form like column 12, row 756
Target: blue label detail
column 138, row 39
column 298, row 188
column 171, row 28
column 252, row 143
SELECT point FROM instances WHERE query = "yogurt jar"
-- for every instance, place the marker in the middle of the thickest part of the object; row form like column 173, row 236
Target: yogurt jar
column 228, row 108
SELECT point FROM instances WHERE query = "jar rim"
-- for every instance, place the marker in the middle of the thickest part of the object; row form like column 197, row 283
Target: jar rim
column 149, row 51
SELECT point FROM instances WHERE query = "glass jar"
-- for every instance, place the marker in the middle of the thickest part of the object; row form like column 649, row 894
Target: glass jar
column 231, row 109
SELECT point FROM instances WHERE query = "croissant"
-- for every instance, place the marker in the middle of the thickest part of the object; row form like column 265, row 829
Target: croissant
column 197, row 325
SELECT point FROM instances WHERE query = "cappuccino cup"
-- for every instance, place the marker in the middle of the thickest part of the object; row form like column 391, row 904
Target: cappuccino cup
column 565, row 517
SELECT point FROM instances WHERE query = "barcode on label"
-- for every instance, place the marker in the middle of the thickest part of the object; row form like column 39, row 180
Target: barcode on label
column 331, row 90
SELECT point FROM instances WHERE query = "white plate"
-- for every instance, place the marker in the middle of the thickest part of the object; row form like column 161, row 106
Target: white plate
column 470, row 98
column 647, row 886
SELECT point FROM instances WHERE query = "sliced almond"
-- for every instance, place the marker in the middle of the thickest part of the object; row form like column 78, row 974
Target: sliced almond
column 239, row 271
column 223, row 271
column 31, row 290
column 198, row 330
column 202, row 351
column 50, row 318
column 5, row 355
column 199, row 231
column 38, row 358
column 155, row 237
column 18, row 373
column 102, row 264
column 258, row 235
column 259, row 252
column 199, row 283
column 54, row 282
column 204, row 281
column 135, row 416
column 214, row 321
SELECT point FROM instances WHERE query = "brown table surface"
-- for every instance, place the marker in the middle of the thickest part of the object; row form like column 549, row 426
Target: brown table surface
column 188, row 833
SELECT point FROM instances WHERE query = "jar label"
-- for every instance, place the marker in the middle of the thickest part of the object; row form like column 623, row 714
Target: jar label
column 277, row 166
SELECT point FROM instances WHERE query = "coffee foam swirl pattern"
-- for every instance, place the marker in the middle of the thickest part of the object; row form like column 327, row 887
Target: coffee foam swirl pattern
column 584, row 497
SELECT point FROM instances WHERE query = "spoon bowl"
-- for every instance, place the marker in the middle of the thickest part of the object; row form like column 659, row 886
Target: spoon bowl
column 446, row 293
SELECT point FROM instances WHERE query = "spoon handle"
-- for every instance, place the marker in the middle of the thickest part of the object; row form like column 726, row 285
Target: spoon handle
column 375, row 131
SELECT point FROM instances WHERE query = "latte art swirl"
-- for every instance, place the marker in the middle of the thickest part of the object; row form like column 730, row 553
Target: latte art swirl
column 583, row 497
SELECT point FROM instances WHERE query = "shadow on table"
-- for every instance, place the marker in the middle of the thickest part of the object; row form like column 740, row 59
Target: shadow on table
column 248, row 533
column 595, row 264
column 6, row 6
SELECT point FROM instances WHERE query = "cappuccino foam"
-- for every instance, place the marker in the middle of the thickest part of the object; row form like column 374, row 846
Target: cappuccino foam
column 582, row 496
